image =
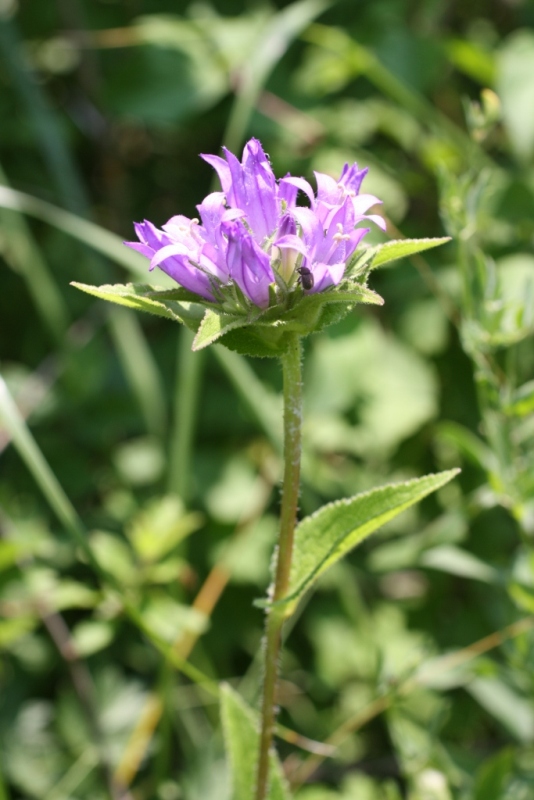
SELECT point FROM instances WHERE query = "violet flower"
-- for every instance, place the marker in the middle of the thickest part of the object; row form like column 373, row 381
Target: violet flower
column 253, row 235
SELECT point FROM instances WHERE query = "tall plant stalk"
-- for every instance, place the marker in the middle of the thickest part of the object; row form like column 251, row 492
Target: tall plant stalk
column 291, row 362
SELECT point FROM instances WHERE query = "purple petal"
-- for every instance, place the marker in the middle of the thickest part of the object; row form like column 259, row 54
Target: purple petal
column 355, row 238
column 149, row 234
column 364, row 202
column 212, row 210
column 326, row 275
column 286, row 227
column 328, row 190
column 352, row 177
column 297, row 183
column 235, row 194
column 223, row 171
column 259, row 191
column 290, row 242
column 179, row 269
column 167, row 252
column 286, row 195
column 213, row 260
column 254, row 209
column 249, row 266
column 178, row 225
column 380, row 221
column 144, row 249
column 312, row 230
column 338, row 226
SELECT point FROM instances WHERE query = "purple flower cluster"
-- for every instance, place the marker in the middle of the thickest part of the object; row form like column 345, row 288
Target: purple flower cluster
column 254, row 228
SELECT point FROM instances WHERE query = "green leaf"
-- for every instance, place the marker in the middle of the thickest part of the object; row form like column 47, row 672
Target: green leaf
column 158, row 528
column 332, row 313
column 11, row 630
column 214, row 325
column 169, row 620
column 400, row 248
column 334, row 530
column 515, row 87
column 448, row 558
column 308, row 309
column 241, row 736
column 493, row 775
column 356, row 294
column 115, row 557
column 468, row 444
column 523, row 596
column 510, row 707
column 472, row 59
column 143, row 297
column 177, row 293
column 264, row 334
column 259, row 341
column 91, row 636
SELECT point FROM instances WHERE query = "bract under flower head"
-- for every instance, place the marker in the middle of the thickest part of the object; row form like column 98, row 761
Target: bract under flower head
column 254, row 236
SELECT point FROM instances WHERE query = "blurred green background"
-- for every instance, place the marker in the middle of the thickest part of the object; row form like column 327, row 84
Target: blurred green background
column 414, row 659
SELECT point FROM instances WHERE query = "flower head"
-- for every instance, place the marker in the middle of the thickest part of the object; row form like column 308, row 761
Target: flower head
column 255, row 237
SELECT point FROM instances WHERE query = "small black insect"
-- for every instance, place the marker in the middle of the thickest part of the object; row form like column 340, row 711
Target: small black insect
column 306, row 278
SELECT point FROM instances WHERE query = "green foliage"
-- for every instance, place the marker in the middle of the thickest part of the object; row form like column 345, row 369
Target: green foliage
column 515, row 63
column 330, row 533
column 392, row 251
column 240, row 727
column 262, row 332
column 145, row 298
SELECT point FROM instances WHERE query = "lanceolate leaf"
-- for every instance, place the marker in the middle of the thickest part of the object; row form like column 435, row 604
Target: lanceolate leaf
column 358, row 294
column 241, row 736
column 329, row 534
column 260, row 333
column 400, row 248
column 214, row 325
column 256, row 340
column 146, row 298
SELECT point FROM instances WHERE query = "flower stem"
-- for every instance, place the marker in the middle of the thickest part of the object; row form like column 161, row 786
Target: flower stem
column 291, row 362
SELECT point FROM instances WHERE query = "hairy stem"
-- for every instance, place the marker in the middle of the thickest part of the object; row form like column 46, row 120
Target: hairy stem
column 290, row 492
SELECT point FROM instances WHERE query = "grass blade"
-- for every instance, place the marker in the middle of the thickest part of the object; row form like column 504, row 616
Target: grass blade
column 283, row 28
column 39, row 468
column 103, row 241
column 27, row 260
column 43, row 118
column 140, row 368
column 72, row 191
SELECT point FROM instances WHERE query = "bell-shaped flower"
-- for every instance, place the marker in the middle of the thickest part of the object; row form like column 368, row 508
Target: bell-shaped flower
column 255, row 226
column 324, row 250
column 249, row 265
column 250, row 186
column 331, row 194
column 177, row 252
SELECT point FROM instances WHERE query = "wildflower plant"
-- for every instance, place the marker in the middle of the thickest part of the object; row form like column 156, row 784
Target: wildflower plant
column 266, row 263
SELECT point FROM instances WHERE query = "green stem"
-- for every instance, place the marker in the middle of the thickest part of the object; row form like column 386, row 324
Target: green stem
column 291, row 362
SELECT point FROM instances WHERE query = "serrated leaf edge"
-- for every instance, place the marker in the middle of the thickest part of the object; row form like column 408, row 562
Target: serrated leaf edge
column 238, row 322
column 345, row 501
column 428, row 242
